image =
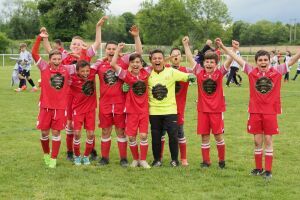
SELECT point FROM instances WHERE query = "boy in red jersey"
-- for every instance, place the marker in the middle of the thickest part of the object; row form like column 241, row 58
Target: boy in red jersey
column 83, row 106
column 264, row 104
column 79, row 51
column 136, row 105
column 211, row 102
column 53, row 99
column 112, row 99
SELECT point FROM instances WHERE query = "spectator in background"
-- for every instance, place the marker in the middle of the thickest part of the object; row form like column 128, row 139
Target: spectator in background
column 234, row 66
column 287, row 57
column 200, row 56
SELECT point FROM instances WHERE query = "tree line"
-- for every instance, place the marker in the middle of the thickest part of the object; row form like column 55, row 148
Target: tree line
column 161, row 23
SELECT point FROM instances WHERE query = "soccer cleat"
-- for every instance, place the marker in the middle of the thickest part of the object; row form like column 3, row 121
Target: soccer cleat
column 86, row 160
column 267, row 175
column 156, row 163
column 174, row 163
column 222, row 164
column 184, row 162
column 93, row 155
column 77, row 160
column 34, row 89
column 47, row 159
column 144, row 164
column 24, row 87
column 124, row 162
column 18, row 90
column 205, row 165
column 256, row 172
column 135, row 163
column 70, row 156
column 52, row 163
column 103, row 161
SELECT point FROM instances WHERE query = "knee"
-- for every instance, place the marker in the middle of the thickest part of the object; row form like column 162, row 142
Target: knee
column 106, row 132
column 143, row 137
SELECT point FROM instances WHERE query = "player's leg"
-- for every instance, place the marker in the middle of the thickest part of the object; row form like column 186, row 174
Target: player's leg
column 170, row 122
column 156, row 123
column 45, row 145
column 144, row 150
column 258, row 142
column 205, row 149
column 268, row 156
column 134, row 151
column 90, row 136
column 217, row 126
column 122, row 146
column 56, row 141
column 162, row 140
column 230, row 76
column 76, row 146
column 182, row 145
column 221, row 149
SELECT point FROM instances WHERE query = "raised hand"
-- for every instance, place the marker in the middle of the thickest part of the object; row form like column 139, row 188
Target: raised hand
column 185, row 40
column 121, row 45
column 134, row 31
column 102, row 20
column 43, row 30
column 44, row 35
column 219, row 42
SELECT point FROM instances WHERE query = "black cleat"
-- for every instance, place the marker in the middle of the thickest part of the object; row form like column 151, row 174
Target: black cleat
column 267, row 175
column 93, row 155
column 174, row 163
column 156, row 163
column 124, row 162
column 70, row 156
column 222, row 164
column 256, row 172
column 103, row 161
column 204, row 165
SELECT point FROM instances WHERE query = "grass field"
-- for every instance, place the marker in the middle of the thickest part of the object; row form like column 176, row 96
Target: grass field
column 24, row 176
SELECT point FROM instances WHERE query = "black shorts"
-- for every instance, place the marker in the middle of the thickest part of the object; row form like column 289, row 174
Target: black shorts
column 25, row 73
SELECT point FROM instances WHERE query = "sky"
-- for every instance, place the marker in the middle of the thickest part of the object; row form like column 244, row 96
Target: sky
column 246, row 10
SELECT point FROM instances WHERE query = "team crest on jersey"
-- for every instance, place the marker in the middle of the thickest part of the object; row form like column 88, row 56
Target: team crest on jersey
column 177, row 87
column 88, row 88
column 139, row 88
column 264, row 85
column 57, row 81
column 110, row 78
column 159, row 92
column 209, row 86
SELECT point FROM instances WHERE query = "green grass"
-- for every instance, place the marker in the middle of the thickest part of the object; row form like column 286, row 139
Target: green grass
column 24, row 176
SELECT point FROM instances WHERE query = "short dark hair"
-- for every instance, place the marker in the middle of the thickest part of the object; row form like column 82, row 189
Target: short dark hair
column 261, row 53
column 211, row 55
column 175, row 48
column 134, row 56
column 54, row 52
column 111, row 42
column 82, row 64
column 155, row 51
column 57, row 41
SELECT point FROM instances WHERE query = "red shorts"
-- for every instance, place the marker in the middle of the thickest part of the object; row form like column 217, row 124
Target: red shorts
column 69, row 107
column 208, row 122
column 51, row 118
column 262, row 124
column 135, row 122
column 112, row 114
column 88, row 119
column 180, row 118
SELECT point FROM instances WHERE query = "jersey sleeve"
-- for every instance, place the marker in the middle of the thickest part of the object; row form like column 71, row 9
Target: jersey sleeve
column 35, row 49
column 180, row 76
column 121, row 73
column 42, row 64
column 125, row 58
column 223, row 70
column 247, row 68
column 96, row 64
column 197, row 69
column 91, row 52
column 283, row 68
column 70, row 68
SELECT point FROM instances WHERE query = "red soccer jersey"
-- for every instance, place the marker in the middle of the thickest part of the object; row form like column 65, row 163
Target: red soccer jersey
column 137, row 96
column 210, row 90
column 110, row 85
column 265, row 89
column 85, row 55
column 55, row 85
column 84, row 94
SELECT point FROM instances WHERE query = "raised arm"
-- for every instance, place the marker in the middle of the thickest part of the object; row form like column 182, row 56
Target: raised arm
column 114, row 60
column 100, row 23
column 188, row 53
column 46, row 42
column 135, row 32
column 35, row 48
column 227, row 62
column 294, row 59
column 227, row 51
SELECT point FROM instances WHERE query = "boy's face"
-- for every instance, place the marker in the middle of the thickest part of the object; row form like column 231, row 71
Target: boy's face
column 135, row 65
column 76, row 46
column 157, row 61
column 22, row 49
column 176, row 57
column 56, row 45
column 210, row 65
column 263, row 63
column 55, row 60
column 84, row 72
column 110, row 50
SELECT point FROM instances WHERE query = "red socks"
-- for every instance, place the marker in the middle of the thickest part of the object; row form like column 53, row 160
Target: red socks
column 69, row 139
column 105, row 147
column 205, row 153
column 56, row 140
column 89, row 145
column 122, row 145
column 258, row 158
column 268, row 159
column 182, row 148
column 134, row 150
column 221, row 150
column 45, row 144
column 144, row 149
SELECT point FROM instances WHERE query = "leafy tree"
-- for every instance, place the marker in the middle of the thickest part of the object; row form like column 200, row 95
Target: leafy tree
column 64, row 18
column 164, row 22
column 4, row 42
